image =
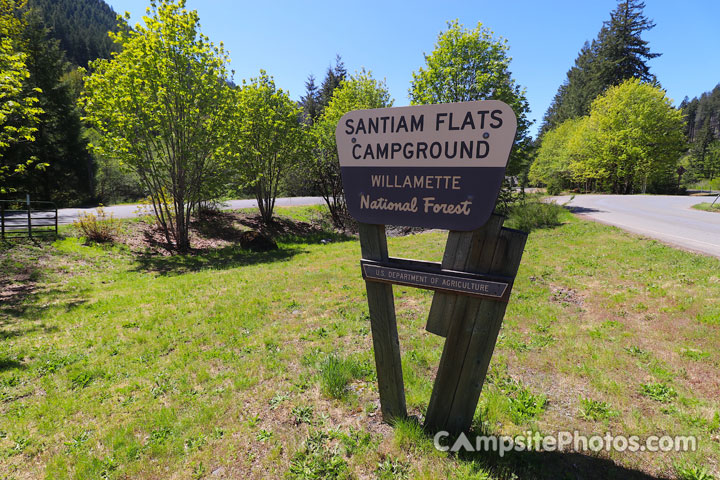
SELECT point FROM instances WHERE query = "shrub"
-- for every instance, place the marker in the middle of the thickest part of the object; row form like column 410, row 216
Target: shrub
column 528, row 216
column 99, row 227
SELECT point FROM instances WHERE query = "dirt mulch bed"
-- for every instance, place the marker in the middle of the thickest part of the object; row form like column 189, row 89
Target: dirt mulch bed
column 213, row 230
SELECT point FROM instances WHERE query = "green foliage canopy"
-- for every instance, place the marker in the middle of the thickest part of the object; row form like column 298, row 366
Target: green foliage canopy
column 630, row 142
column 360, row 91
column 471, row 65
column 161, row 107
column 19, row 108
column 267, row 137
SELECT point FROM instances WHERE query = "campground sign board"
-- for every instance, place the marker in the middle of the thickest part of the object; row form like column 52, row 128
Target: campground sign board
column 433, row 166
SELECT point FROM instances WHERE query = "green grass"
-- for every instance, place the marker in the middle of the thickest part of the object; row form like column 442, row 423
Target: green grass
column 707, row 206
column 121, row 366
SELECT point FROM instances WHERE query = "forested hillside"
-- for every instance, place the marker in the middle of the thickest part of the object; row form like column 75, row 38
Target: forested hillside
column 703, row 131
column 81, row 26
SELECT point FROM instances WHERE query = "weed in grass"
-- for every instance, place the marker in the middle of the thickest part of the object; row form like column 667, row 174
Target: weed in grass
column 160, row 387
column 694, row 354
column 336, row 373
column 11, row 381
column 263, row 435
column 302, row 414
column 78, row 441
column 316, row 460
column 277, row 400
column 692, row 472
column 392, row 469
column 195, row 442
column 81, row 380
column 595, row 410
column 525, row 405
column 354, row 440
column 53, row 361
column 253, row 421
column 321, row 332
column 658, row 391
column 636, row 351
column 21, row 443
column 198, row 470
column 160, row 436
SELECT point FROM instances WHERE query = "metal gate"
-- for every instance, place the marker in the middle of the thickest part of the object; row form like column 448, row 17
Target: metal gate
column 20, row 218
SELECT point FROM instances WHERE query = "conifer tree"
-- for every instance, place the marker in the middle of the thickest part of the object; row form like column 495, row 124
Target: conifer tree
column 617, row 54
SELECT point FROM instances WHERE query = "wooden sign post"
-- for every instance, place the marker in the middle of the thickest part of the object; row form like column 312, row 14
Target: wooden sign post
column 436, row 166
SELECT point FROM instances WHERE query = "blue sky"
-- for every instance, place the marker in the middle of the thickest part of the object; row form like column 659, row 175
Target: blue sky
column 291, row 39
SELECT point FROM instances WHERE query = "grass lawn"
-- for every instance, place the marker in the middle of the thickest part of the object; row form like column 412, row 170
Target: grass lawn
column 233, row 364
column 708, row 207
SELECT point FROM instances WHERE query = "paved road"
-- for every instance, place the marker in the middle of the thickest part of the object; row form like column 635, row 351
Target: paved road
column 666, row 218
column 69, row 215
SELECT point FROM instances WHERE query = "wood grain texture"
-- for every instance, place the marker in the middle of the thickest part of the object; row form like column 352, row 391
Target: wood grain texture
column 470, row 342
column 383, row 324
column 465, row 252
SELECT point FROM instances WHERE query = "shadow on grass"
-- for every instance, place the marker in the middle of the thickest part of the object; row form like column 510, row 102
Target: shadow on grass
column 552, row 466
column 9, row 364
column 541, row 465
column 214, row 259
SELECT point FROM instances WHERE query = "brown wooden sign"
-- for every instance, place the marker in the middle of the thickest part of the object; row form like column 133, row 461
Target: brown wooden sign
column 435, row 166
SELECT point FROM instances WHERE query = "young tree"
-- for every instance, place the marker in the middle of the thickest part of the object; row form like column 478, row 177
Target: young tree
column 161, row 105
column 19, row 108
column 635, row 137
column 557, row 156
column 474, row 65
column 360, row 91
column 268, row 138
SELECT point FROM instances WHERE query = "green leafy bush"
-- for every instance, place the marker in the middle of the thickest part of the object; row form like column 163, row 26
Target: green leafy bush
column 99, row 227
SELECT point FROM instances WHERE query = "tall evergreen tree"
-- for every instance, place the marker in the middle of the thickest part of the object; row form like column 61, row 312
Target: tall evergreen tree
column 310, row 102
column 333, row 78
column 617, row 54
column 59, row 138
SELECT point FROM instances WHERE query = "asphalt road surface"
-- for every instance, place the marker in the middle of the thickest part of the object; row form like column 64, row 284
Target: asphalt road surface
column 69, row 215
column 666, row 218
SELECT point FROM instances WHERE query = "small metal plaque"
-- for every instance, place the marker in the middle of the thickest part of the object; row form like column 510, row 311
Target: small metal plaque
column 445, row 280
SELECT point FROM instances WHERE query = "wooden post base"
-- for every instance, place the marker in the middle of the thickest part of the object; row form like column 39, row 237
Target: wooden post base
column 470, row 324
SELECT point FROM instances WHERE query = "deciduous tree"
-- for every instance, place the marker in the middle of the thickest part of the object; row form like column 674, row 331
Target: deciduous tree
column 267, row 137
column 360, row 91
column 19, row 108
column 161, row 107
column 474, row 65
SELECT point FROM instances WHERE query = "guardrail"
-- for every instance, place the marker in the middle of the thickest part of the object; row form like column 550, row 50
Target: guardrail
column 19, row 218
